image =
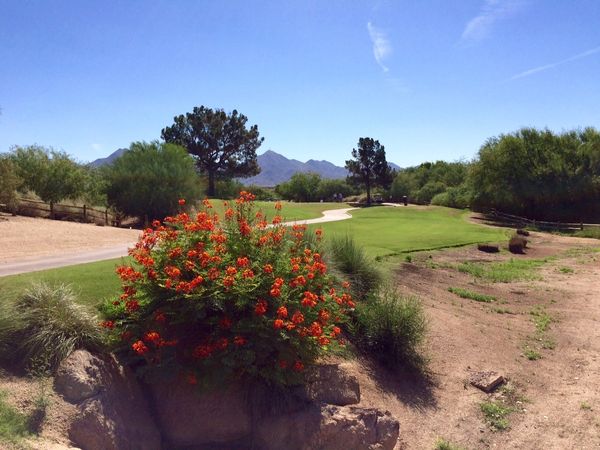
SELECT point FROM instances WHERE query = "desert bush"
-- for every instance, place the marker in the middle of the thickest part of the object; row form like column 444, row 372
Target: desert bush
column 517, row 244
column 9, row 183
column 210, row 300
column 522, row 232
column 390, row 328
column 44, row 325
column 351, row 260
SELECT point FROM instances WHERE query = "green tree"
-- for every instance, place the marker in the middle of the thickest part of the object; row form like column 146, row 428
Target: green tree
column 51, row 174
column 540, row 174
column 369, row 166
column 327, row 188
column 301, row 187
column 148, row 180
column 221, row 144
column 9, row 183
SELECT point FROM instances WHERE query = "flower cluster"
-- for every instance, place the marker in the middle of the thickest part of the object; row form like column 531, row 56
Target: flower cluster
column 215, row 297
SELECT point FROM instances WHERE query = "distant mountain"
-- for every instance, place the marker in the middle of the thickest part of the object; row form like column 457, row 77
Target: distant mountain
column 394, row 166
column 276, row 168
column 109, row 159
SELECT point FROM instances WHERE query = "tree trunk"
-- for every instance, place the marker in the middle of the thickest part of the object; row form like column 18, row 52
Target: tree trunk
column 211, row 184
column 51, row 210
column 368, row 184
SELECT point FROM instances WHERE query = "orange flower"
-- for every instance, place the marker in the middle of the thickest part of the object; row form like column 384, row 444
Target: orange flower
column 298, row 318
column 315, row 329
column 242, row 261
column 152, row 336
column 231, row 270
column 282, row 312
column 268, row 268
column 278, row 324
column 139, row 347
column 248, row 273
column 260, row 308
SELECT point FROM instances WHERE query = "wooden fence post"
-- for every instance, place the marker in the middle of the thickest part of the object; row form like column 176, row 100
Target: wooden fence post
column 106, row 217
column 84, row 213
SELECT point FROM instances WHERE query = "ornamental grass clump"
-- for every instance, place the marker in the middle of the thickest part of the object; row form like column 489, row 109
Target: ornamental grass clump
column 44, row 325
column 210, row 299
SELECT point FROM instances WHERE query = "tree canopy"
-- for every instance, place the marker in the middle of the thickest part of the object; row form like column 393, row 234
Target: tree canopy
column 222, row 145
column 9, row 183
column 51, row 174
column 369, row 166
column 540, row 174
column 148, row 180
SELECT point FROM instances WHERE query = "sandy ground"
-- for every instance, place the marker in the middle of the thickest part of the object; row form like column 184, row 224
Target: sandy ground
column 26, row 238
column 556, row 399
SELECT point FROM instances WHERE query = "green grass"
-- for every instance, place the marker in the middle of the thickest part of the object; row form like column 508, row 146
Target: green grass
column 541, row 319
column 565, row 270
column 464, row 293
column 91, row 282
column 13, row 424
column 504, row 272
column 443, row 444
column 531, row 354
column 496, row 414
column 385, row 231
column 289, row 210
column 590, row 232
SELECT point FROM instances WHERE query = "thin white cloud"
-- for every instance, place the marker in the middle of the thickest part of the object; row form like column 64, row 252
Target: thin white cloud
column 381, row 45
column 480, row 26
column 556, row 64
column 96, row 147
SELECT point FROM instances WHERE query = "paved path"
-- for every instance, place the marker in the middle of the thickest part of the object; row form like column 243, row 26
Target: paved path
column 50, row 262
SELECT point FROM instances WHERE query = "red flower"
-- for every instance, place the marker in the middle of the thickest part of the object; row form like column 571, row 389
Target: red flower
column 139, row 347
column 298, row 366
column 225, row 323
column 239, row 341
column 260, row 308
column 268, row 268
column 153, row 337
column 298, row 318
column 282, row 312
column 248, row 273
column 242, row 262
column 278, row 324
column 107, row 324
column 181, row 202
column 315, row 329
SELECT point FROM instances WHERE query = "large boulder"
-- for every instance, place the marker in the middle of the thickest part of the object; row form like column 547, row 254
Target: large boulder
column 328, row 427
column 328, row 383
column 190, row 418
column 113, row 412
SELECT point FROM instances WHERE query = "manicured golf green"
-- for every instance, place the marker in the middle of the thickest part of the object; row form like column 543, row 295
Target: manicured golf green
column 385, row 231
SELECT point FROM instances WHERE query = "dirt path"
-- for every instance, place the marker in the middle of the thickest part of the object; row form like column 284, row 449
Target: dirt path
column 555, row 399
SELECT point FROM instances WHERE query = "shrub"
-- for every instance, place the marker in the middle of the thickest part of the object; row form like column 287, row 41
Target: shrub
column 517, row 244
column 351, row 260
column 9, row 183
column 522, row 232
column 212, row 300
column 44, row 326
column 390, row 328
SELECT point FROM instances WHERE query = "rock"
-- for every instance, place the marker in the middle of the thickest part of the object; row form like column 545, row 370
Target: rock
column 78, row 376
column 329, row 427
column 488, row 248
column 330, row 384
column 114, row 414
column 188, row 417
column 486, row 381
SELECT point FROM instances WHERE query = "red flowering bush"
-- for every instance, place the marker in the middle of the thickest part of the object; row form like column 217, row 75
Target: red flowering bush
column 213, row 298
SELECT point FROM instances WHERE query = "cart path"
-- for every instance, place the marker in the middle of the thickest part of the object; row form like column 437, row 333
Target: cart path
column 68, row 259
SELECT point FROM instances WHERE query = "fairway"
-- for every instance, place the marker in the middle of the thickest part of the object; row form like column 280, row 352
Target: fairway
column 92, row 282
column 384, row 231
column 289, row 211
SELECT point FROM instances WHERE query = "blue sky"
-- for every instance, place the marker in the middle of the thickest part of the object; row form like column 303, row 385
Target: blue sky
column 430, row 79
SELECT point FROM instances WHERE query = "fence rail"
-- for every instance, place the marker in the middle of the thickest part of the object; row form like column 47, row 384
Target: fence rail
column 82, row 213
column 542, row 224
